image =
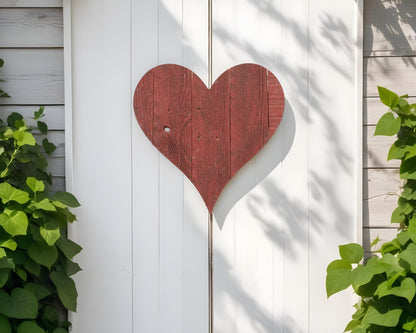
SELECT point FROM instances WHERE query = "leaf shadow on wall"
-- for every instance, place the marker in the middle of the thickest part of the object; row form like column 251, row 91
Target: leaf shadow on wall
column 389, row 30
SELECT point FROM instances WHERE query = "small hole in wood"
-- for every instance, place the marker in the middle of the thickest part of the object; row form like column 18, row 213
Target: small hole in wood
column 199, row 108
column 166, row 129
column 199, row 137
column 168, row 109
column 217, row 138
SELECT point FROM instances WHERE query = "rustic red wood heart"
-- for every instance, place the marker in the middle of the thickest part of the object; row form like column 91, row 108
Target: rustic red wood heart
column 209, row 134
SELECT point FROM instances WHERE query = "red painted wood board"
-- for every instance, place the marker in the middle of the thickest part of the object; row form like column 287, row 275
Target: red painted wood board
column 209, row 134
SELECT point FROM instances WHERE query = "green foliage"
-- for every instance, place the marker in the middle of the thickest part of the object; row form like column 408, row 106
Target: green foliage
column 35, row 255
column 386, row 282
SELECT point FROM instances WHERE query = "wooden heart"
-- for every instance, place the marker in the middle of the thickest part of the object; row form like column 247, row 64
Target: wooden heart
column 209, row 134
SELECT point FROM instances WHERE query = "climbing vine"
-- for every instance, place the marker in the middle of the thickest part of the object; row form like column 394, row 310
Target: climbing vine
column 35, row 255
column 386, row 281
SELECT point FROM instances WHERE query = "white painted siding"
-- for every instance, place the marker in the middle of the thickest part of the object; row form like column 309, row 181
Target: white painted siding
column 31, row 41
column 389, row 50
column 278, row 222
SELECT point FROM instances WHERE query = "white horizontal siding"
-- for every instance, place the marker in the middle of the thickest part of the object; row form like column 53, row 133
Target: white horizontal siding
column 31, row 27
column 33, row 76
column 30, row 3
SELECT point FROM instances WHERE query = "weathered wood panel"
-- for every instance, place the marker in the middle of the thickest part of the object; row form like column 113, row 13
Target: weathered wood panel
column 30, row 3
column 31, row 27
column 376, row 149
column 33, row 76
column 381, row 190
column 209, row 134
column 394, row 73
column 389, row 28
column 54, row 114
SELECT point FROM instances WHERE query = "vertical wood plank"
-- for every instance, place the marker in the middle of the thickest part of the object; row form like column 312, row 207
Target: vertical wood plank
column 170, row 286
column 145, row 180
column 102, row 100
column 333, row 153
column 247, row 279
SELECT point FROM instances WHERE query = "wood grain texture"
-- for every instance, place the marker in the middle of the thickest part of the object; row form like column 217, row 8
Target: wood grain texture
column 30, row 3
column 33, row 76
column 233, row 120
column 394, row 73
column 376, row 149
column 31, row 27
column 381, row 190
column 389, row 28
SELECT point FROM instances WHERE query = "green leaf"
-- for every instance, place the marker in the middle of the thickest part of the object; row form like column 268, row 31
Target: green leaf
column 24, row 138
column 339, row 264
column 66, row 198
column 60, row 330
column 9, row 244
column 43, row 254
column 68, row 247
column 407, row 289
column 388, row 97
column 337, row 280
column 403, row 237
column 409, row 325
column 15, row 222
column 388, row 125
column 29, row 327
column 390, row 318
column 21, row 273
column 375, row 241
column 363, row 274
column 409, row 256
column 21, row 304
column 3, row 94
column 12, row 118
column 38, row 290
column 398, row 150
column 391, row 265
column 397, row 216
column 32, row 267
column 50, row 235
column 39, row 114
column 66, row 290
column 1, row 62
column 10, row 193
column 352, row 252
column 44, row 204
column 72, row 268
column 4, row 276
column 5, row 325
column 6, row 263
column 48, row 146
column 408, row 169
column 43, row 128
column 35, row 185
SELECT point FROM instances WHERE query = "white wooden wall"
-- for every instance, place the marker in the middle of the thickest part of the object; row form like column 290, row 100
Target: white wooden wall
column 278, row 223
column 31, row 44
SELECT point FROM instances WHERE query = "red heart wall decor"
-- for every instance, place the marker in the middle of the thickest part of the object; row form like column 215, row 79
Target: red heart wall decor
column 209, row 134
